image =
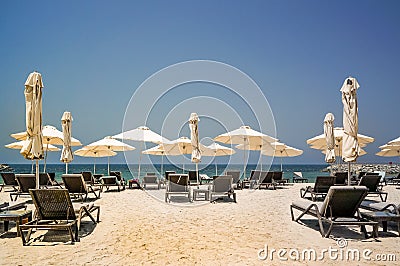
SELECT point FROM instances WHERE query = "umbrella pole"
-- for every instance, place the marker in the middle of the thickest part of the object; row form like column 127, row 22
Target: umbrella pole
column 162, row 164
column 32, row 167
column 348, row 175
column 281, row 164
column 140, row 158
column 45, row 157
column 216, row 166
column 37, row 174
column 66, row 168
column 108, row 164
column 94, row 166
column 244, row 159
column 197, row 174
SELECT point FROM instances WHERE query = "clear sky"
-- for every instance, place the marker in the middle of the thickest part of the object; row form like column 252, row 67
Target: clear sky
column 93, row 56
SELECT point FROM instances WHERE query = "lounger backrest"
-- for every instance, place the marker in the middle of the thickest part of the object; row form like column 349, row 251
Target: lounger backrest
column 323, row 183
column 53, row 204
column 370, row 181
column 235, row 176
column 44, row 179
column 222, row 183
column 193, row 176
column 178, row 182
column 298, row 174
column 118, row 174
column 256, row 175
column 168, row 173
column 88, row 177
column 278, row 175
column 266, row 177
column 341, row 177
column 74, row 183
column 110, row 180
column 26, row 182
column 343, row 201
column 361, row 174
column 150, row 179
column 9, row 179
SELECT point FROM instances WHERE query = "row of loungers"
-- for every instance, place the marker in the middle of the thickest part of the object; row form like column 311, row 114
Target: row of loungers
column 79, row 185
column 341, row 205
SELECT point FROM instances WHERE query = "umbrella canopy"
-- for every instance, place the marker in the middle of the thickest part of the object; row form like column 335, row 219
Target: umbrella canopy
column 66, row 155
column 282, row 150
column 33, row 148
column 216, row 149
column 51, row 135
column 330, row 138
column 85, row 152
column 350, row 144
column 182, row 145
column 395, row 141
column 109, row 143
column 246, row 136
column 392, row 152
column 19, row 144
column 142, row 134
column 157, row 150
column 285, row 151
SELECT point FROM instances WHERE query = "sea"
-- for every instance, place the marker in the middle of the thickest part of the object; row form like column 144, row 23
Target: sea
column 310, row 171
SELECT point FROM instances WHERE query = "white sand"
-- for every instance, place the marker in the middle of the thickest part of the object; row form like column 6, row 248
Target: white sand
column 137, row 229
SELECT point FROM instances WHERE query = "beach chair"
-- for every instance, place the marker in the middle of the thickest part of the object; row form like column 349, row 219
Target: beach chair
column 253, row 180
column 177, row 184
column 235, row 178
column 372, row 183
column 194, row 178
column 114, row 179
column 341, row 178
column 9, row 181
column 120, row 178
column 88, row 177
column 77, row 186
column 165, row 179
column 340, row 207
column 381, row 206
column 277, row 178
column 298, row 177
column 320, row 188
column 266, row 180
column 55, row 211
column 25, row 182
column 395, row 180
column 152, row 180
column 222, row 186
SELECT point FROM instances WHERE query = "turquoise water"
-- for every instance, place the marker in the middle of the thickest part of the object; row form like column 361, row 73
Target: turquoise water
column 128, row 172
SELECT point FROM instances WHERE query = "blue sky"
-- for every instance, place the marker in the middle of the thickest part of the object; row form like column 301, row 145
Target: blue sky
column 93, row 55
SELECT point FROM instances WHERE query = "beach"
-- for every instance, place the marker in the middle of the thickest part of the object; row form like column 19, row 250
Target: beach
column 135, row 229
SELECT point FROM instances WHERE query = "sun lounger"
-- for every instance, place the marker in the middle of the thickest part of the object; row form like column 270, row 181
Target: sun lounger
column 222, row 186
column 252, row 180
column 372, row 183
column 9, row 181
column 55, row 211
column 77, row 186
column 320, row 188
column 150, row 179
column 340, row 207
column 277, row 178
column 266, row 180
column 194, row 178
column 113, row 180
column 341, row 178
column 178, row 185
column 380, row 206
column 235, row 178
column 299, row 178
column 89, row 178
column 25, row 182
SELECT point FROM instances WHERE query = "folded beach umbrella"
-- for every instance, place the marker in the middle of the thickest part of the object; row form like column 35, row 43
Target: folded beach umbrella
column 66, row 155
column 111, row 144
column 217, row 150
column 85, row 152
column 330, row 138
column 194, row 137
column 350, row 145
column 142, row 134
column 33, row 148
column 281, row 151
column 246, row 136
